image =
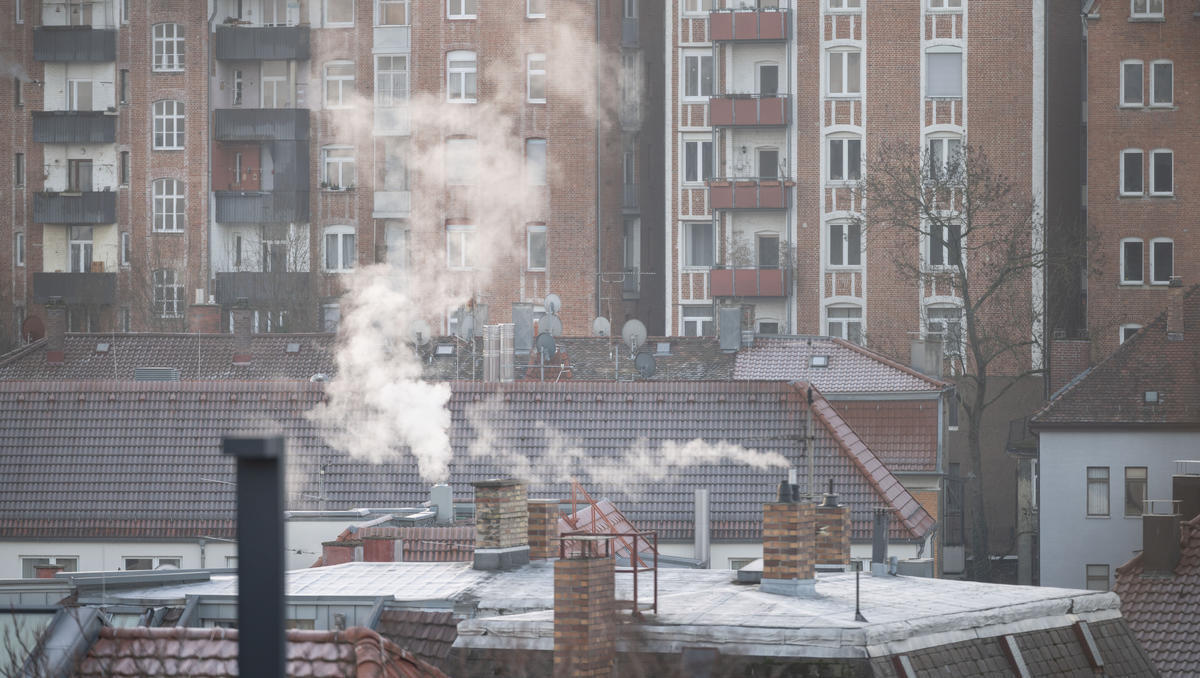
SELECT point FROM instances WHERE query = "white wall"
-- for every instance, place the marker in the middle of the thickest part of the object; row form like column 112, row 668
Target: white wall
column 109, row 556
column 104, row 13
column 744, row 69
column 102, row 75
column 104, row 165
column 1070, row 539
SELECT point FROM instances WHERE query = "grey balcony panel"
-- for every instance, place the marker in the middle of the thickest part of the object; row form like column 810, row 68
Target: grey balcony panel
column 264, row 288
column 75, row 288
column 74, row 43
column 262, row 42
column 262, row 124
column 74, row 127
column 92, row 207
column 629, row 32
column 262, row 207
column 292, row 163
column 629, row 196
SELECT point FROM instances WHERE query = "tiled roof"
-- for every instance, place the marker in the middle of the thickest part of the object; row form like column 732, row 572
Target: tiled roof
column 1164, row 612
column 902, row 433
column 138, row 451
column 428, row 635
column 851, row 369
column 212, row 653
column 1113, row 392
column 424, row 544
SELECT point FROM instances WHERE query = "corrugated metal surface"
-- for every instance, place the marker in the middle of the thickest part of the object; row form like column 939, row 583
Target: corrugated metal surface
column 262, row 207
column 74, row 43
column 262, row 42
column 90, row 207
column 74, row 127
column 75, row 288
column 291, row 162
column 261, row 124
column 262, row 288
column 155, row 374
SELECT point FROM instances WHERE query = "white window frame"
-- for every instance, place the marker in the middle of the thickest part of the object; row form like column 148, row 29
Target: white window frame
column 392, row 84
column 946, row 5
column 169, row 118
column 1141, row 280
column 534, row 74
column 841, row 55
column 341, row 162
column 1153, row 174
column 80, row 249
column 169, row 210
column 1124, row 329
column 126, row 245
column 167, row 293
column 947, row 248
column 758, row 326
column 461, row 9
column 1141, row 171
column 18, row 17
column 1154, row 102
column 688, row 234
column 845, row 322
column 845, row 5
column 776, row 167
column 337, row 82
column 73, row 86
column 530, row 231
column 843, row 141
column 843, row 246
column 685, row 83
column 274, row 88
column 458, row 95
column 957, row 351
column 460, row 237
column 1148, row 9
column 1089, row 579
column 397, row 240
column 939, row 50
column 50, row 560
column 939, row 160
column 693, row 325
column 700, row 143
column 336, row 24
column 535, row 175
column 531, row 11
column 379, row 11
column 630, row 9
column 1087, row 498
column 697, row 7
column 155, row 562
column 341, row 234
column 19, row 248
column 168, row 48
column 1141, row 100
column 1154, row 279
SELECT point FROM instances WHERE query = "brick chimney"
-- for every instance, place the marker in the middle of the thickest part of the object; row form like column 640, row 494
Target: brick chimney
column 1160, row 541
column 1068, row 357
column 543, row 529
column 501, row 524
column 1175, row 310
column 46, row 571
column 833, row 531
column 584, row 617
column 789, row 547
column 338, row 552
column 243, row 320
column 204, row 318
column 56, row 331
column 381, row 549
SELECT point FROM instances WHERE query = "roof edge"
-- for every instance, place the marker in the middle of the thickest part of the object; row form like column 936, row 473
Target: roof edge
column 939, row 383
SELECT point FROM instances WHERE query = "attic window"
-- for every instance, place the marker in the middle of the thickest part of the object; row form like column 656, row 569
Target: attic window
column 101, row 348
column 662, row 348
column 293, row 347
column 820, row 361
column 1151, row 396
column 444, row 349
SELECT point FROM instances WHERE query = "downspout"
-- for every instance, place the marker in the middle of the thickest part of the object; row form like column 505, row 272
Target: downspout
column 210, row 216
column 596, row 159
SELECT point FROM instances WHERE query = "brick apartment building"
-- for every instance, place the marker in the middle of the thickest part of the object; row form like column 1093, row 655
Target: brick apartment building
column 775, row 109
column 168, row 154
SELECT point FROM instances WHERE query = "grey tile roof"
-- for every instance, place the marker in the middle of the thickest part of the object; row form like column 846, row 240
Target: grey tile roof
column 851, row 369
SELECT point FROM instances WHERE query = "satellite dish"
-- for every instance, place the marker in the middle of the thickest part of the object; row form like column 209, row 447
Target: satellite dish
column 419, row 332
column 634, row 334
column 645, row 364
column 545, row 345
column 601, row 327
column 552, row 303
column 550, row 324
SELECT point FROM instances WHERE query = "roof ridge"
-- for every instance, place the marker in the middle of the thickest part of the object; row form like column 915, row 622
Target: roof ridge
column 20, row 351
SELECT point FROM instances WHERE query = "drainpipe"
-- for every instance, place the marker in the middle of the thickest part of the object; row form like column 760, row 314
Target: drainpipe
column 596, row 161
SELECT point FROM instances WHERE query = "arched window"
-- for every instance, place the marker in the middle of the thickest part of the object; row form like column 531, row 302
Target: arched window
column 844, row 322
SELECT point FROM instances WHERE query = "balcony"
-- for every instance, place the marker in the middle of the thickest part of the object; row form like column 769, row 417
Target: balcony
column 748, row 282
column 261, row 124
column 748, row 194
column 748, row 110
column 91, row 207
column 262, row 207
column 758, row 25
column 265, row 289
column 74, row 127
column 75, row 288
column 74, row 43
column 262, row 43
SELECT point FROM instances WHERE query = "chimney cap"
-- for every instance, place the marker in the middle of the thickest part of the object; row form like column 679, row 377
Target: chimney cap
column 496, row 482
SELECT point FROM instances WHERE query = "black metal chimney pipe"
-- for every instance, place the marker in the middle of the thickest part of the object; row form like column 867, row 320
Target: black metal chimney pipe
column 261, row 650
column 879, row 537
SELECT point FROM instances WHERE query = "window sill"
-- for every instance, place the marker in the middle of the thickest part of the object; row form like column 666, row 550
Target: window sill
column 694, row 100
column 1131, row 195
column 167, row 70
column 462, row 18
column 1147, row 19
column 1163, row 107
column 460, row 101
column 535, row 101
column 1132, row 107
column 1162, row 195
column 843, row 268
column 339, row 271
column 339, row 25
column 176, row 232
column 1132, row 283
column 688, row 268
column 1097, row 517
column 842, row 183
column 1160, row 283
column 851, row 96
column 535, row 16
column 850, row 10
column 944, row 10
column 172, row 148
column 944, row 97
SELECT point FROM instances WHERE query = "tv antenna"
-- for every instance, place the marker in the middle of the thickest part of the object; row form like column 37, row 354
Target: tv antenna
column 601, row 327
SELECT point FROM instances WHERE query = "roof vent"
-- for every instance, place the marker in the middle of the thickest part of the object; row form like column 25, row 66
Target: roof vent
column 819, row 361
column 155, row 374
column 102, row 348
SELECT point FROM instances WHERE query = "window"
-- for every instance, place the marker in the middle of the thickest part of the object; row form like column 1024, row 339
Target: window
column 79, row 176
column 19, row 17
column 29, row 564
column 698, row 241
column 768, row 163
column 767, row 249
column 845, row 4
column 399, row 252
column 168, row 205
column 1131, row 262
column 535, row 162
column 1162, row 261
column 845, row 72
column 340, row 252
column 168, row 47
column 535, row 9
column 152, row 563
column 945, row 245
column 1128, row 330
column 79, row 12
column 1131, row 83
column 460, row 246
column 460, row 76
column 19, row 248
column 943, row 73
column 1162, row 166
column 845, row 159
column 844, row 322
column 629, row 168
column 391, row 80
column 338, row 165
column 168, row 294
column 123, row 169
column 698, row 321
column 631, row 9
column 1097, row 577
column 697, row 6
column 339, row 84
column 275, row 13
column 391, row 12
column 697, row 76
column 79, row 95
column 946, row 321
column 331, row 317
column 845, row 244
column 945, row 4
column 18, row 93
column 1142, row 9
column 739, row 563
column 1135, row 490
column 535, row 239
column 276, row 93
column 19, row 170
column 697, row 161
column 238, row 87
column 460, row 9
column 126, row 248
column 1131, row 172
column 768, row 326
column 535, row 79
column 168, row 125
column 1162, row 83
column 768, row 79
column 124, row 85
column 1097, row 490
column 944, row 161
column 461, row 157
column 339, row 12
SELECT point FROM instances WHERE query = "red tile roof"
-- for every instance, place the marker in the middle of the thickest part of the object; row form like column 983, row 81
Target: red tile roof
column 212, row 653
column 851, row 368
column 902, row 433
column 1164, row 612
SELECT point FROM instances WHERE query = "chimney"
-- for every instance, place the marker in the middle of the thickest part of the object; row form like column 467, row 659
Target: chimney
column 243, row 318
column 491, row 353
column 46, row 571
column 1068, row 358
column 584, row 616
column 501, row 524
column 879, row 541
column 702, row 528
column 338, row 552
column 789, row 544
column 833, row 531
column 1160, row 539
column 380, row 549
column 1185, row 488
column 543, row 529
column 441, row 498
column 204, row 318
column 1175, row 310
column 56, row 331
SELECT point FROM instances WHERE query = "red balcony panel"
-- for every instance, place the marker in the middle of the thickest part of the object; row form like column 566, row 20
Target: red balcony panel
column 747, row 194
column 748, row 282
column 747, row 111
column 772, row 26
column 772, row 111
column 745, row 25
column 720, row 111
column 720, row 26
column 724, row 25
column 771, row 195
column 720, row 196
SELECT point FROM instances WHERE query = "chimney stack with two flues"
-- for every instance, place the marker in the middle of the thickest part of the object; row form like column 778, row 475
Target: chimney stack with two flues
column 789, row 545
column 501, row 524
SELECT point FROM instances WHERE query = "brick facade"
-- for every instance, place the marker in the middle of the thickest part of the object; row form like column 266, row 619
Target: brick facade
column 789, row 541
column 543, row 528
column 832, row 545
column 338, row 552
column 501, row 514
column 584, row 618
